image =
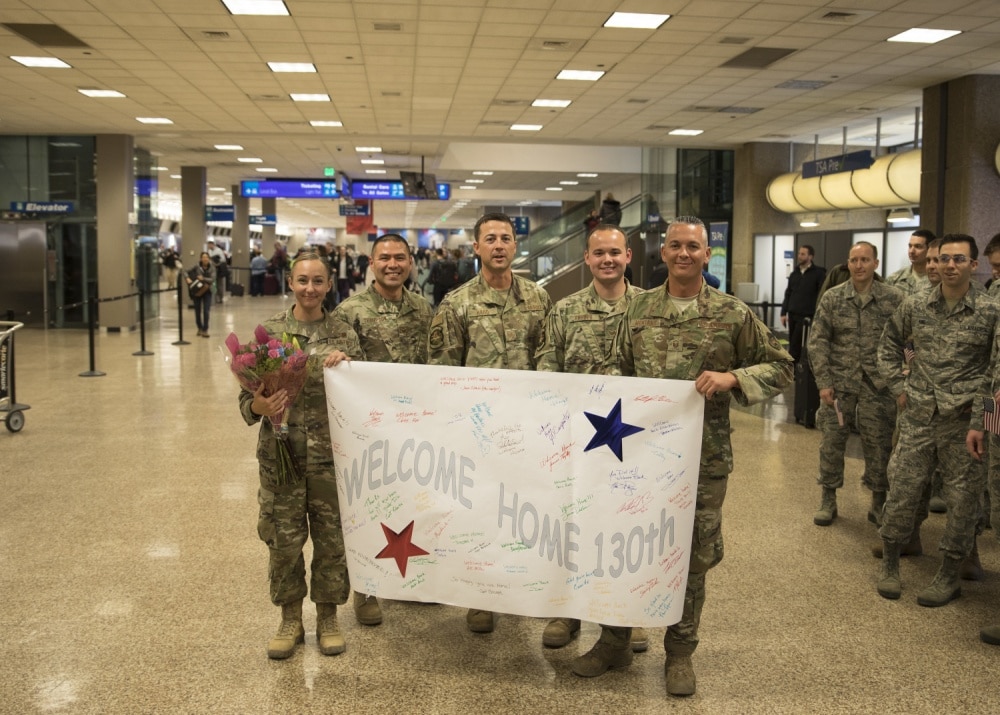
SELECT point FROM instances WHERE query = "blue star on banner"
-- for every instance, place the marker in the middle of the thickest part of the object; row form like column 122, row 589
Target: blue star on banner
column 610, row 430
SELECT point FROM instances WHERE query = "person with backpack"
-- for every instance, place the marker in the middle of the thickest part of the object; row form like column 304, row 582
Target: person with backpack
column 444, row 275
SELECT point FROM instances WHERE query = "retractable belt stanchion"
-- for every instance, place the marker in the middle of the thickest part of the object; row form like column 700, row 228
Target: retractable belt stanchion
column 91, row 329
column 142, row 352
column 180, row 312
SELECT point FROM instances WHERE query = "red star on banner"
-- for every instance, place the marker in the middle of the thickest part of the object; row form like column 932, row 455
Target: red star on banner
column 399, row 547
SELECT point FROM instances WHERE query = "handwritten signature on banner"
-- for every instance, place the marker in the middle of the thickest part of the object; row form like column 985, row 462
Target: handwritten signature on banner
column 573, row 492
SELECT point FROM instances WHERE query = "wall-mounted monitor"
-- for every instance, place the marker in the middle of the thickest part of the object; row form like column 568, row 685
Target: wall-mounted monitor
column 418, row 186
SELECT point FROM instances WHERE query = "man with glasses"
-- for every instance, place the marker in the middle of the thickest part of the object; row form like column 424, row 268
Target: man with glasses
column 583, row 335
column 948, row 335
column 391, row 323
column 497, row 319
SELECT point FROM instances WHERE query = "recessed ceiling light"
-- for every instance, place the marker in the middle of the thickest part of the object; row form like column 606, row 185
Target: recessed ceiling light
column 569, row 183
column 41, row 62
column 266, row 170
column 374, row 162
column 525, row 127
column 468, row 188
column 256, row 7
column 229, row 147
column 302, row 67
column 925, row 35
column 482, row 173
column 560, row 103
column 217, row 188
column 325, row 123
column 587, row 176
column 553, row 188
column 153, row 120
column 374, row 171
column 373, row 149
column 159, row 168
column 100, row 93
column 475, row 181
column 586, row 75
column 636, row 20
column 686, row 132
column 250, row 160
column 175, row 176
column 310, row 97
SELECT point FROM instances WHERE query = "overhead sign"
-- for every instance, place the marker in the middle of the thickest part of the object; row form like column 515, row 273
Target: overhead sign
column 219, row 213
column 43, row 207
column 264, row 220
column 290, row 189
column 837, row 164
column 354, row 209
column 522, row 225
column 391, row 190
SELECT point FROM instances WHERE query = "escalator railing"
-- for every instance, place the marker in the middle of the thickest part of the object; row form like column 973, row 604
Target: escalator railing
column 555, row 254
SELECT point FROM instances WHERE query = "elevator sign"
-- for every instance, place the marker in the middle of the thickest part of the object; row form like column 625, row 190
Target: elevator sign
column 42, row 207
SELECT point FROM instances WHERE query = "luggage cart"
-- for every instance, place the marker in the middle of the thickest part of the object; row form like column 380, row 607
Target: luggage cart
column 8, row 400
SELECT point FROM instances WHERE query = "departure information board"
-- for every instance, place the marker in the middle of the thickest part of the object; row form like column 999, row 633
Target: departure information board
column 290, row 189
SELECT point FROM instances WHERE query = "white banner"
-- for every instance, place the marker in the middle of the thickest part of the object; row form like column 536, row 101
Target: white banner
column 532, row 493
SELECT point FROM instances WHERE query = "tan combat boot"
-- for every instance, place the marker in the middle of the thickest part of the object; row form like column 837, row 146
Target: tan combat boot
column 480, row 621
column 290, row 632
column 612, row 650
column 367, row 610
column 889, row 584
column 328, row 635
column 560, row 631
column 827, row 511
column 680, row 675
column 945, row 586
column 640, row 641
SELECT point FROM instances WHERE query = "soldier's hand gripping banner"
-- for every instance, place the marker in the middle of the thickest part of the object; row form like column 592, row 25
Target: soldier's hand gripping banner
column 532, row 493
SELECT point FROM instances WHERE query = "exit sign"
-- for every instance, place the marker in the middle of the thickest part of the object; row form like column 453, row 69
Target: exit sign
column 329, row 171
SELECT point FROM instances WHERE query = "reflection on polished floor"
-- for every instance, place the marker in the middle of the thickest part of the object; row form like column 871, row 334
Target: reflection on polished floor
column 133, row 580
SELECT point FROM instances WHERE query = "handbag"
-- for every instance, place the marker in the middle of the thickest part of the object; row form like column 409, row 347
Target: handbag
column 198, row 288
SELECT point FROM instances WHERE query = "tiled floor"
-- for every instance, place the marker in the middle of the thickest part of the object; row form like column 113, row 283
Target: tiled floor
column 132, row 579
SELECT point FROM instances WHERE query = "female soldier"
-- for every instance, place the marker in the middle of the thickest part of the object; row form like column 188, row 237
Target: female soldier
column 291, row 513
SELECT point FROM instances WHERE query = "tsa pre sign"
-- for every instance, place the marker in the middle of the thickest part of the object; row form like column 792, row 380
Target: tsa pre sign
column 538, row 494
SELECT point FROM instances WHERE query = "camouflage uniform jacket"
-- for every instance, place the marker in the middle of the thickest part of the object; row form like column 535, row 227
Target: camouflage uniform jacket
column 308, row 426
column 583, row 334
column 388, row 332
column 478, row 326
column 908, row 281
column 720, row 335
column 843, row 340
column 952, row 349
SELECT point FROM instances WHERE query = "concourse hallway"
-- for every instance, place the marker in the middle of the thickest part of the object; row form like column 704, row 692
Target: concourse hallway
column 133, row 580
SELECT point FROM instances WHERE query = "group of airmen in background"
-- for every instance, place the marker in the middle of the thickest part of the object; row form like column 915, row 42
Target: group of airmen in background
column 910, row 364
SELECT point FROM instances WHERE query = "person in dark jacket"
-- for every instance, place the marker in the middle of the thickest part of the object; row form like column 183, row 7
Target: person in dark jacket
column 800, row 297
column 611, row 210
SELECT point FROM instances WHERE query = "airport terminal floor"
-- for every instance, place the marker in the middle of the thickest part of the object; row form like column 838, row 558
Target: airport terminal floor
column 133, row 579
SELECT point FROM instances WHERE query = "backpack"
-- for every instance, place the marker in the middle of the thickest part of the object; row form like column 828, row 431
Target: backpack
column 444, row 274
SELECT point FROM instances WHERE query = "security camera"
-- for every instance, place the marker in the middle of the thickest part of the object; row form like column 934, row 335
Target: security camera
column 340, row 148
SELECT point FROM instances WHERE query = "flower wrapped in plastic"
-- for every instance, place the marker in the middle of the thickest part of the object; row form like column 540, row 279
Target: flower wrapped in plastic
column 275, row 364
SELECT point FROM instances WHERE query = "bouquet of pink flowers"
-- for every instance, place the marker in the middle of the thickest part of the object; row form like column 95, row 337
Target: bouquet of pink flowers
column 277, row 364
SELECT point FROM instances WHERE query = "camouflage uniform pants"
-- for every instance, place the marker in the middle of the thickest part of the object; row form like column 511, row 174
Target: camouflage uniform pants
column 706, row 551
column 921, row 447
column 874, row 412
column 286, row 520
